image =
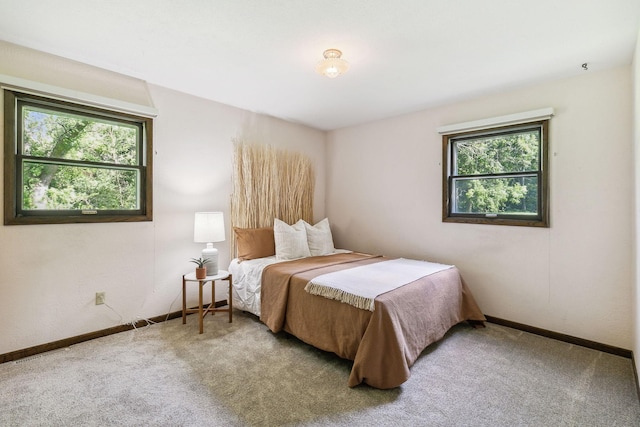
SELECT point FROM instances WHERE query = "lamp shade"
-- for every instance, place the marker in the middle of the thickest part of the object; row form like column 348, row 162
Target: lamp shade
column 208, row 227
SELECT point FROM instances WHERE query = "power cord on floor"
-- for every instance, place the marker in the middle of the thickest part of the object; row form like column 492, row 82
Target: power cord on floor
column 148, row 322
column 134, row 322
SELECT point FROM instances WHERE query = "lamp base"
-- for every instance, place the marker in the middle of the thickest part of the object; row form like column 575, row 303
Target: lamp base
column 212, row 254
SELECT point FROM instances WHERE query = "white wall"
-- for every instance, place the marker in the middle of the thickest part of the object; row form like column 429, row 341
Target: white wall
column 49, row 274
column 636, row 216
column 384, row 196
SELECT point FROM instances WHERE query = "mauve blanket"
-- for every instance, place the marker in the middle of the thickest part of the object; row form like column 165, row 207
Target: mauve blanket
column 383, row 344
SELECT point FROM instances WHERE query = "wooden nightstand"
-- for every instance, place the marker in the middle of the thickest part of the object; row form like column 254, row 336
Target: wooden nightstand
column 191, row 277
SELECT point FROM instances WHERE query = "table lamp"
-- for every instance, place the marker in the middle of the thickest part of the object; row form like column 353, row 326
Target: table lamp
column 208, row 228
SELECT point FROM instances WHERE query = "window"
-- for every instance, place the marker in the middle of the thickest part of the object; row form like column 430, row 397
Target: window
column 497, row 176
column 66, row 163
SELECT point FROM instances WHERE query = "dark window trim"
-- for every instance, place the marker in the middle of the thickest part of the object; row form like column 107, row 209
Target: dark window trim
column 541, row 220
column 12, row 215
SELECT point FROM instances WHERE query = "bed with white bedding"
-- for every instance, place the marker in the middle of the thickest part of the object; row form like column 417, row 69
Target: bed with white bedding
column 246, row 282
column 384, row 336
column 247, row 276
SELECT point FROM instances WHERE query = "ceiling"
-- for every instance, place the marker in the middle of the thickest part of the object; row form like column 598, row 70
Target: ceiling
column 259, row 55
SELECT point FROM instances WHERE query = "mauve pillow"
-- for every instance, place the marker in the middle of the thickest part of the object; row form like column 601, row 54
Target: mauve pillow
column 254, row 243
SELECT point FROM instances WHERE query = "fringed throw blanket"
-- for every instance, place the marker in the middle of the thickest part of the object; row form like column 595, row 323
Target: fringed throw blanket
column 359, row 286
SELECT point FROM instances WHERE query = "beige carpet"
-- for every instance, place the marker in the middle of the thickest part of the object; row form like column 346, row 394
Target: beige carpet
column 241, row 374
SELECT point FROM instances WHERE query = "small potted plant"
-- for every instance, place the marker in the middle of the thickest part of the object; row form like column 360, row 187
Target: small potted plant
column 201, row 269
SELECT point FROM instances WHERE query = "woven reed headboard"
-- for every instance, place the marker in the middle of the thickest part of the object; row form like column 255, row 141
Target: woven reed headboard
column 269, row 183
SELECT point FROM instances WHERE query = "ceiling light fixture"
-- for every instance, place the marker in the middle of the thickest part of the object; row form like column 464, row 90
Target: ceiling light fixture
column 332, row 65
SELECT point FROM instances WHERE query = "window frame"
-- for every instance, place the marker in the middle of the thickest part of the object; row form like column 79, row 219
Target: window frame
column 13, row 214
column 448, row 165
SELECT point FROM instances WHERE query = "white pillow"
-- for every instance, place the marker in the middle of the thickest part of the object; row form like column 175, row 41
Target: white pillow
column 291, row 240
column 319, row 238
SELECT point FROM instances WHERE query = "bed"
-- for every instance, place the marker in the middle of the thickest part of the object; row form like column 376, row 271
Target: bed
column 280, row 260
column 383, row 343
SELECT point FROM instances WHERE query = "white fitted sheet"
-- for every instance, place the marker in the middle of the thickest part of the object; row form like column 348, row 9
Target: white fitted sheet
column 247, row 278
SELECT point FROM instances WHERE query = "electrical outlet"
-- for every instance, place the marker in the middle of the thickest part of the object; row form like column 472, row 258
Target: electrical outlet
column 100, row 298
